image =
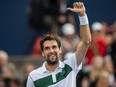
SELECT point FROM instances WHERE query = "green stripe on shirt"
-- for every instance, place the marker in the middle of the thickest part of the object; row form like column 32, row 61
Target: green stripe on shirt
column 47, row 81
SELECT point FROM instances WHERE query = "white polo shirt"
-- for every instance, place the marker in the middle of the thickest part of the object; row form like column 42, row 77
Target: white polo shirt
column 63, row 76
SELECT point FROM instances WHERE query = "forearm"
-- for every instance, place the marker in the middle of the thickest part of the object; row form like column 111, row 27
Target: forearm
column 85, row 33
column 85, row 39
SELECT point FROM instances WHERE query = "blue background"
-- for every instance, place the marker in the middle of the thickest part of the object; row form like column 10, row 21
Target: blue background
column 15, row 34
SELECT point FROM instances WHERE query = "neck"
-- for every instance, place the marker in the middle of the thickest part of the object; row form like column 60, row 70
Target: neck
column 51, row 67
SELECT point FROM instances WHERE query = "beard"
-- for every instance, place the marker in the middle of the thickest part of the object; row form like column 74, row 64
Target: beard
column 52, row 58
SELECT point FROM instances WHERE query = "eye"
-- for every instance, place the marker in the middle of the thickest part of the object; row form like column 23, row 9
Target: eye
column 46, row 48
column 54, row 47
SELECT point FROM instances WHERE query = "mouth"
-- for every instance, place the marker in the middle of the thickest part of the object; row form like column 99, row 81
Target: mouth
column 52, row 56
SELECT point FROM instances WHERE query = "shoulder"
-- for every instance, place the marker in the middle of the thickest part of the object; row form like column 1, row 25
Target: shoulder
column 36, row 72
column 70, row 57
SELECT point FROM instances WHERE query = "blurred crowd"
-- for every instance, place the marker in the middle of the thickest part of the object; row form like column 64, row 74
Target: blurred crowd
column 99, row 66
column 10, row 75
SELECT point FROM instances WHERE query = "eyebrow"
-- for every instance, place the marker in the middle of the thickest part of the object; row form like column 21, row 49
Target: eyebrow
column 50, row 46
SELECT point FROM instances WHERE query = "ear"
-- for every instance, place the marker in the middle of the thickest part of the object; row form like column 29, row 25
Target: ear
column 42, row 53
column 60, row 49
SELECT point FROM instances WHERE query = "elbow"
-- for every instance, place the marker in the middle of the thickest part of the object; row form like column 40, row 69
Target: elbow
column 87, row 41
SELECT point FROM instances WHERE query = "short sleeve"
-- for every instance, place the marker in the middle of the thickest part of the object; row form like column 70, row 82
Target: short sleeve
column 30, row 82
column 72, row 62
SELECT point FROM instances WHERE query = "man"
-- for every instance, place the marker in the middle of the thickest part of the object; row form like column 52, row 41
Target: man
column 55, row 73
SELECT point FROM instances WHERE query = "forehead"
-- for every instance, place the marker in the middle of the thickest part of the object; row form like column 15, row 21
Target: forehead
column 50, row 43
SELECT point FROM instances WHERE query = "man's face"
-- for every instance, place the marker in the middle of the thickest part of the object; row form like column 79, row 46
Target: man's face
column 51, row 52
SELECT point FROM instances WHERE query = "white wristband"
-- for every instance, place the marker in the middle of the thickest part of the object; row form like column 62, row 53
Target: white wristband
column 83, row 20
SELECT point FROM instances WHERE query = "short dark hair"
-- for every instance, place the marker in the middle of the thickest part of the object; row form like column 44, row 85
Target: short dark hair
column 50, row 37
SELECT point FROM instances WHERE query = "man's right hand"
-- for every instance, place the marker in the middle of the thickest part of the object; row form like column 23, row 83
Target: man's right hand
column 79, row 8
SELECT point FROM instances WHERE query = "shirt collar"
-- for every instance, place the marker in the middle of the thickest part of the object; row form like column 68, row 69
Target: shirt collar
column 61, row 65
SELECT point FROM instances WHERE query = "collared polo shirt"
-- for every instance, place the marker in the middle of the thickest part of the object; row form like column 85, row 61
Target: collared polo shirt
column 63, row 76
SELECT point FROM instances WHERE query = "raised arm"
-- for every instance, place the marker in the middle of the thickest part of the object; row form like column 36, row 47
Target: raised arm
column 85, row 34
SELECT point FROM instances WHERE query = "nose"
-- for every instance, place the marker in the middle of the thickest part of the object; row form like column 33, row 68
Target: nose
column 51, row 49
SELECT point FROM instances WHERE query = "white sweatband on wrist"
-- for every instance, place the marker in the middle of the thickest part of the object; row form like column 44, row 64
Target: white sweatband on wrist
column 83, row 20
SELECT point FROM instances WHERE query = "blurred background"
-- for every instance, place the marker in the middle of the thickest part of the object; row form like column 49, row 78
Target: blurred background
column 23, row 22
